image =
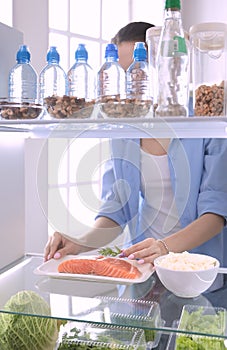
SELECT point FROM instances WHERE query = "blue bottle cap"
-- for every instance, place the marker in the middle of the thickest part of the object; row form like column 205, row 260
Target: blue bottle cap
column 111, row 51
column 52, row 55
column 140, row 52
column 81, row 53
column 23, row 55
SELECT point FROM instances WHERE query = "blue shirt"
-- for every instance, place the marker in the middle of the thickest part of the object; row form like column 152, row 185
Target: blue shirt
column 198, row 171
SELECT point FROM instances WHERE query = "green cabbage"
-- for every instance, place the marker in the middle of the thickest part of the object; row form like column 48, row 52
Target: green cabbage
column 21, row 332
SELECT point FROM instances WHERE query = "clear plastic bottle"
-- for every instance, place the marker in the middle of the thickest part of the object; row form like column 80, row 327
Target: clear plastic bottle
column 81, row 82
column 111, row 82
column 53, row 85
column 52, row 78
column 172, row 65
column 138, row 81
column 23, row 79
column 81, row 76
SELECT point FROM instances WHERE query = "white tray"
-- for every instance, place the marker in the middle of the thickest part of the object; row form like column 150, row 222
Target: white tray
column 50, row 269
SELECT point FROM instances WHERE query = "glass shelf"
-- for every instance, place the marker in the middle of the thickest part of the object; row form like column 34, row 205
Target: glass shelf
column 66, row 297
column 191, row 127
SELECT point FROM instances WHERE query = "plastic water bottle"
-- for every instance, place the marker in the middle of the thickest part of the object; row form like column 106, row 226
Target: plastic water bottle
column 111, row 90
column 172, row 65
column 111, row 76
column 137, row 75
column 52, row 78
column 23, row 79
column 81, row 76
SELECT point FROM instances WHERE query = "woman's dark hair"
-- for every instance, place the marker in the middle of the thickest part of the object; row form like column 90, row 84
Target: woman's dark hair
column 134, row 31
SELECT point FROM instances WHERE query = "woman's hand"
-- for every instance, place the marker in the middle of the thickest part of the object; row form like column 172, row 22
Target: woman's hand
column 59, row 246
column 145, row 251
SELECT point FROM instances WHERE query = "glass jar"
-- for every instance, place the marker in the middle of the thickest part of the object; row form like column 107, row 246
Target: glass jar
column 208, row 45
column 152, row 40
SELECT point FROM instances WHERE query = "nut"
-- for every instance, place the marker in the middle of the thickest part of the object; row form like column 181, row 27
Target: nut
column 24, row 110
column 209, row 100
column 115, row 107
column 68, row 107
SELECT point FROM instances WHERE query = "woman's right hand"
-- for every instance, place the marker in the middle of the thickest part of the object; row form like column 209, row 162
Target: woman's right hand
column 58, row 246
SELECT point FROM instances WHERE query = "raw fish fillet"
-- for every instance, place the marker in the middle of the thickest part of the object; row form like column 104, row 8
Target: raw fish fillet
column 100, row 266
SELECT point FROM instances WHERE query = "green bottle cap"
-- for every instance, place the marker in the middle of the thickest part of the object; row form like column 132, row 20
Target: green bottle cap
column 173, row 4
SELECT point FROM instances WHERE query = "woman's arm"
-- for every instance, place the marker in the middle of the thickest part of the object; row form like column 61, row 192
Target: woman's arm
column 103, row 232
column 199, row 231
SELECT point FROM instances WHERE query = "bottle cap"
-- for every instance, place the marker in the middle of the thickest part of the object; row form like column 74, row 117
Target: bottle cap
column 81, row 53
column 111, row 51
column 52, row 55
column 23, row 54
column 140, row 52
column 173, row 4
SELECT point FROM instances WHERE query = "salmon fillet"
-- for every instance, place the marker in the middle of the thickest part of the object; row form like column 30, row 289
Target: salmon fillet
column 101, row 266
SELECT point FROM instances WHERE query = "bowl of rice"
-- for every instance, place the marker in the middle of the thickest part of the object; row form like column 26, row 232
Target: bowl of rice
column 186, row 275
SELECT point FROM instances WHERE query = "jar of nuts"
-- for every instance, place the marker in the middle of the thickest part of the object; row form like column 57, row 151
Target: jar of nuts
column 209, row 66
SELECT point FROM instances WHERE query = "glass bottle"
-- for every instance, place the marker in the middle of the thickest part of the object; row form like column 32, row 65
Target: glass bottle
column 23, row 79
column 138, row 81
column 172, row 65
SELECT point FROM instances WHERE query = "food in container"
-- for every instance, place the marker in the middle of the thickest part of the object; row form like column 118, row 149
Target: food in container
column 24, row 110
column 196, row 320
column 208, row 42
column 185, row 274
column 85, row 336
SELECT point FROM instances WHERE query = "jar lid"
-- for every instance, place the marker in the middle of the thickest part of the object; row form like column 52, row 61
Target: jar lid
column 208, row 36
column 156, row 32
column 208, row 27
column 153, row 31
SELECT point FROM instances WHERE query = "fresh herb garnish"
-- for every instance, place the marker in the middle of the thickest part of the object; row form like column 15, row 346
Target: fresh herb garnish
column 107, row 251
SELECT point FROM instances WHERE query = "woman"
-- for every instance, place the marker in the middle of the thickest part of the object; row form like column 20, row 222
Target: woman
column 171, row 193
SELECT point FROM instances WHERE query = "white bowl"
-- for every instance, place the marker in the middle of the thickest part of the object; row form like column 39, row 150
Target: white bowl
column 186, row 284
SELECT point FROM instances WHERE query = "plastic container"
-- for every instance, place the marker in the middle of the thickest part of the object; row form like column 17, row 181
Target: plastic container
column 23, row 79
column 209, row 65
column 98, row 337
column 123, row 312
column 205, row 320
column 172, row 65
column 138, row 81
column 81, row 85
column 111, row 91
column 52, row 83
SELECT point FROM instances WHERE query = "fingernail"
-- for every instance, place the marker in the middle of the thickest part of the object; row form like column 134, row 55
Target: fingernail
column 131, row 257
column 121, row 255
column 57, row 255
column 48, row 257
column 140, row 261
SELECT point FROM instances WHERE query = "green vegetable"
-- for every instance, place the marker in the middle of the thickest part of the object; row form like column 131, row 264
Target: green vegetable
column 199, row 322
column 107, row 251
column 21, row 332
column 76, row 341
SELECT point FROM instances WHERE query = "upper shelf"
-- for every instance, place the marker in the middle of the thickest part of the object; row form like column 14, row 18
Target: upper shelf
column 191, row 127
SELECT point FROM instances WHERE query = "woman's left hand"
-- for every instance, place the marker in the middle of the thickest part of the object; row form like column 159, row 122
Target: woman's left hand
column 145, row 251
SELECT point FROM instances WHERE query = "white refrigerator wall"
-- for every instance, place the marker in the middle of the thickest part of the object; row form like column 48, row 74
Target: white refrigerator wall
column 23, row 215
column 12, row 209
